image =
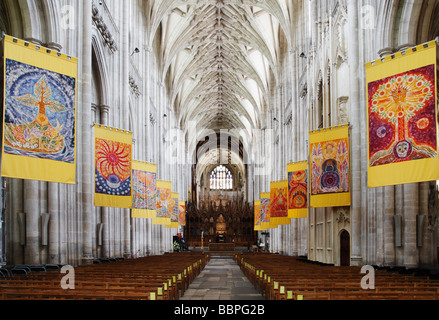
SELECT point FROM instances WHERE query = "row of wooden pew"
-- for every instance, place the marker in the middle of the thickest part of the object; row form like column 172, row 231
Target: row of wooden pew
column 283, row 278
column 150, row 278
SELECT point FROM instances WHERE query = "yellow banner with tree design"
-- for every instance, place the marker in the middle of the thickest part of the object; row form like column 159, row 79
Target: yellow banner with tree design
column 402, row 119
column 39, row 115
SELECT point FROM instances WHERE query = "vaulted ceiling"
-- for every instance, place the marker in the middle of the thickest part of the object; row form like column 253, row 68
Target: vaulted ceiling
column 220, row 60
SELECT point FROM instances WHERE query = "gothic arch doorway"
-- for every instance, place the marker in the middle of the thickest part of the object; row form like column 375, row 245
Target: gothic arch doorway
column 345, row 248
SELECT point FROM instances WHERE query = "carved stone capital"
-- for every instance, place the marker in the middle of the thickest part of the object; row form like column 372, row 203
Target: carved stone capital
column 54, row 46
column 104, row 108
column 385, row 52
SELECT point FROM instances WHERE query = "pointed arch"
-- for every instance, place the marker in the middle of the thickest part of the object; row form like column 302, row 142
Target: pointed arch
column 51, row 9
column 31, row 21
column 100, row 65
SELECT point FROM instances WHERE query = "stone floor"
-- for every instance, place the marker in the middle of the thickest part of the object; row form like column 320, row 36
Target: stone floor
column 221, row 279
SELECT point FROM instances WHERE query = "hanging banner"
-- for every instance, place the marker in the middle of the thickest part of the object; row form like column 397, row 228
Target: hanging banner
column 298, row 190
column 402, row 118
column 113, row 167
column 330, row 167
column 164, row 205
column 265, row 211
column 257, row 209
column 144, row 190
column 182, row 213
column 174, row 211
column 279, row 203
column 39, row 114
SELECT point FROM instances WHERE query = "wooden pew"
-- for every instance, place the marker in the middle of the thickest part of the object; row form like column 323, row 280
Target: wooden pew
column 151, row 278
column 282, row 278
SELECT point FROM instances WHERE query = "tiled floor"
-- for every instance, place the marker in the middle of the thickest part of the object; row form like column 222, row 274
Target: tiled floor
column 221, row 280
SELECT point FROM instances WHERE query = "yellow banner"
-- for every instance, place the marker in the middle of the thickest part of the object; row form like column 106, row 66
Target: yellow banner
column 402, row 118
column 265, row 211
column 298, row 190
column 279, row 203
column 39, row 118
column 113, row 167
column 164, row 203
column 257, row 209
column 144, row 190
column 174, row 211
column 330, row 167
column 182, row 213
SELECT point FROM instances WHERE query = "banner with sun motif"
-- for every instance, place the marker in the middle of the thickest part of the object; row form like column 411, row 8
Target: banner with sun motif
column 182, row 213
column 257, row 210
column 298, row 190
column 144, row 190
column 164, row 203
column 39, row 114
column 279, row 203
column 402, row 118
column 174, row 211
column 113, row 167
column 330, row 167
column 265, row 211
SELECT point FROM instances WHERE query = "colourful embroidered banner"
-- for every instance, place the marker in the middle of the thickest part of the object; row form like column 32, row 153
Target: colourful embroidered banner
column 144, row 190
column 279, row 203
column 164, row 203
column 39, row 118
column 257, row 210
column 402, row 118
column 113, row 162
column 298, row 190
column 330, row 167
column 174, row 211
column 265, row 211
column 182, row 213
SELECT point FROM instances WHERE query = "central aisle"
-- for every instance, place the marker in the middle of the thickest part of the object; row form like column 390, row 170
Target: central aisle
column 221, row 279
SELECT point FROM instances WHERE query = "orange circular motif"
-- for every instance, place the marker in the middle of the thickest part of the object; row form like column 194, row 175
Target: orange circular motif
column 113, row 158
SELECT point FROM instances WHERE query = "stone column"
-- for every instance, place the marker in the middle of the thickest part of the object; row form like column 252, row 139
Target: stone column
column 355, row 104
column 314, row 21
column 53, row 210
column 94, row 113
column 86, row 150
column 149, row 134
column 389, row 235
column 426, row 253
column 65, row 192
column 43, row 209
column 105, row 215
column 157, row 238
column 125, row 52
column 16, row 200
column 411, row 210
column 31, row 209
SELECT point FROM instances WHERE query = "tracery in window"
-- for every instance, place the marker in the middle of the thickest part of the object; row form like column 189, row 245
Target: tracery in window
column 221, row 179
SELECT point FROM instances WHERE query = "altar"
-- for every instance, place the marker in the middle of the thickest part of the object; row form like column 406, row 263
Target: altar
column 221, row 247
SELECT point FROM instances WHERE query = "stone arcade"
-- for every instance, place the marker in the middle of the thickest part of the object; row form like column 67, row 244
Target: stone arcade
column 221, row 82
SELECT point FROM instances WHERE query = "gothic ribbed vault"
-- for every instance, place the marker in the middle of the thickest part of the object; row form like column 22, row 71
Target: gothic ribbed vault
column 220, row 59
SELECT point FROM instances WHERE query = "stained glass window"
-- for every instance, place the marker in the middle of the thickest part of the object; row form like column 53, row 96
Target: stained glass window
column 221, row 179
